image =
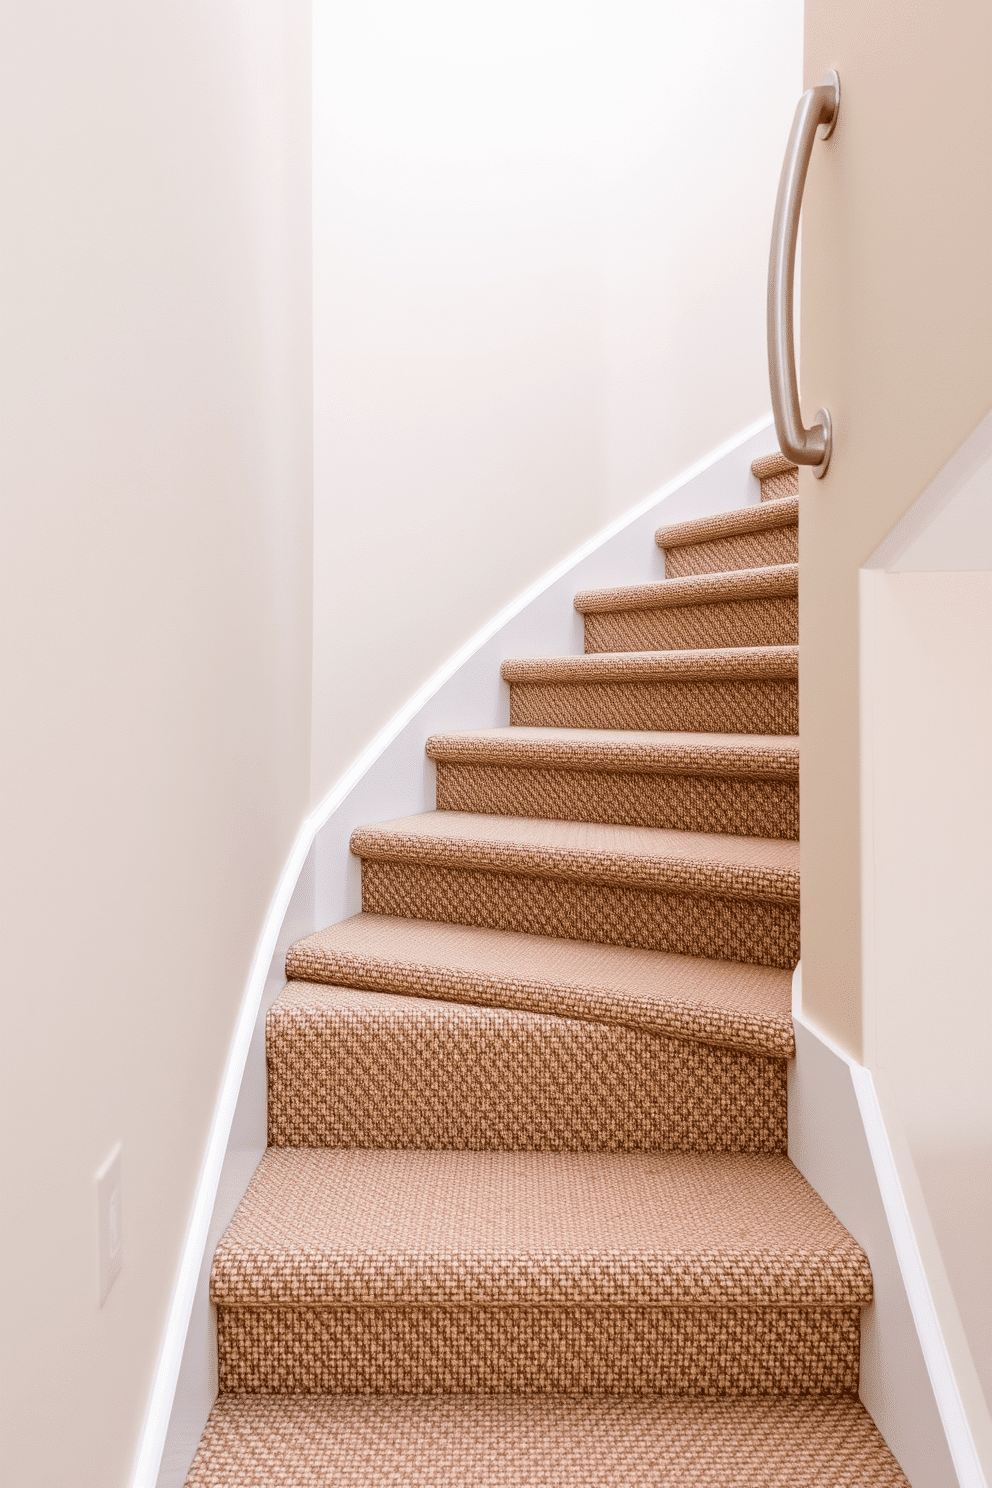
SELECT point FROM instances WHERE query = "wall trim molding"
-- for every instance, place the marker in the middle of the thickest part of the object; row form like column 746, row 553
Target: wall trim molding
column 267, row 965
column 886, row 1373
column 943, row 1377
column 907, row 549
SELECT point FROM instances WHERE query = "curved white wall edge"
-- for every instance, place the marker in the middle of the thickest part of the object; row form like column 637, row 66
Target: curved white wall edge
column 909, row 1390
column 560, row 570
column 167, row 1372
column 306, row 898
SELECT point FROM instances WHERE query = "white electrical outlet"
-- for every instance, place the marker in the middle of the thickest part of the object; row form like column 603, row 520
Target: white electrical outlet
column 109, row 1221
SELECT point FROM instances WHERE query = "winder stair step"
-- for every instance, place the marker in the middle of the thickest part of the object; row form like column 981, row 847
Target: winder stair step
column 685, row 997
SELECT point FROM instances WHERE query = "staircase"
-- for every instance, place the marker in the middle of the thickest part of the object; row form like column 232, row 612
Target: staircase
column 526, row 1216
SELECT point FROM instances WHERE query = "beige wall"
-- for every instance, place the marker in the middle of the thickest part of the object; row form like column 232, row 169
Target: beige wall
column 541, row 236
column 156, row 627
column 927, row 806
column 897, row 327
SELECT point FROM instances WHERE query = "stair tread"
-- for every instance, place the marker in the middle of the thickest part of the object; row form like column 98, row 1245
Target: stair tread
column 595, row 852
column 505, row 1441
column 773, row 581
column 721, row 1002
column 783, row 512
column 757, row 756
column 320, row 1227
column 732, row 663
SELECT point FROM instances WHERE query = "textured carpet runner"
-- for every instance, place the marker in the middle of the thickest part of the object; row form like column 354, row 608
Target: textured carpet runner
column 526, row 1216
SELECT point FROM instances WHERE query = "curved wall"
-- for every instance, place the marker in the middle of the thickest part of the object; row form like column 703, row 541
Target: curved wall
column 155, row 376
column 540, row 247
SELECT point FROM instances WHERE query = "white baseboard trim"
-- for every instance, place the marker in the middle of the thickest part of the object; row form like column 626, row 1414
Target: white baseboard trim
column 917, row 1377
column 319, row 885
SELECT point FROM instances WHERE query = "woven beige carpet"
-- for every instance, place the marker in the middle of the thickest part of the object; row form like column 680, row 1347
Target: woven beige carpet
column 385, row 1441
column 526, row 1216
column 746, row 785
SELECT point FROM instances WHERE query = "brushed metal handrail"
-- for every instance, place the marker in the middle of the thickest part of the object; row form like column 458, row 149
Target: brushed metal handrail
column 818, row 106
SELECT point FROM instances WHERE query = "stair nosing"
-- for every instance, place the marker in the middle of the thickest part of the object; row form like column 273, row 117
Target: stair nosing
column 499, row 748
column 701, row 873
column 772, row 581
column 685, row 1022
column 763, row 516
column 293, row 1244
column 695, row 1023
column 718, row 664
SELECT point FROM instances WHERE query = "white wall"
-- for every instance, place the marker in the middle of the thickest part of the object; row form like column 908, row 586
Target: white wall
column 540, row 246
column 926, row 640
column 156, row 624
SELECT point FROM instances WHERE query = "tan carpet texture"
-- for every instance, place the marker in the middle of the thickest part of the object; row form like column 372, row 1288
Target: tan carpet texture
column 526, row 1215
column 533, row 1441
column 732, row 898
column 451, row 1076
column 737, row 785
column 757, row 622
column 567, row 1348
column 777, row 475
column 715, row 1002
column 731, row 690
column 754, row 607
column 496, row 1228
column 750, row 537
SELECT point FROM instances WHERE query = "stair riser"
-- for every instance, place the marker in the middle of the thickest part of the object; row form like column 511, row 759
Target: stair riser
column 757, row 931
column 774, row 487
column 503, row 1081
column 691, row 803
column 716, row 1351
column 734, row 707
column 745, row 622
column 724, row 554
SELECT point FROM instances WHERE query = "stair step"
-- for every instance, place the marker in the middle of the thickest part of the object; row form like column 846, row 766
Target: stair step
column 750, row 537
column 698, row 894
column 778, row 476
column 733, row 783
column 627, row 1273
column 746, row 607
column 540, row 1441
column 685, row 997
column 745, row 690
column 349, row 1068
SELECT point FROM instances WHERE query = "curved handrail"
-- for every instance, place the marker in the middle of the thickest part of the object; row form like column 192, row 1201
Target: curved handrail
column 818, row 106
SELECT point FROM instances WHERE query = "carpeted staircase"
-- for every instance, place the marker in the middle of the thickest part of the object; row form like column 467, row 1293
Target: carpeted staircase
column 526, row 1216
